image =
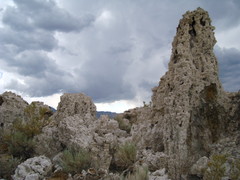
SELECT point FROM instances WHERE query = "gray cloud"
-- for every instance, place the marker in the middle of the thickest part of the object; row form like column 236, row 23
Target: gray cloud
column 46, row 15
column 27, row 38
column 229, row 65
column 110, row 50
column 20, row 41
column 225, row 14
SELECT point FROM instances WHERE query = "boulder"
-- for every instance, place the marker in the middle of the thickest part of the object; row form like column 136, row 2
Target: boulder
column 73, row 112
column 33, row 169
column 199, row 167
column 12, row 108
column 75, row 103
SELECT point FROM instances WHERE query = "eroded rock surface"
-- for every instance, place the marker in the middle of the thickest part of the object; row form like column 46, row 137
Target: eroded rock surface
column 190, row 112
column 189, row 99
column 190, row 119
column 73, row 112
column 33, row 169
column 11, row 109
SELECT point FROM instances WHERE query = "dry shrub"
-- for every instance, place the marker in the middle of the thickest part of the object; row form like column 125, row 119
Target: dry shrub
column 126, row 154
column 7, row 166
column 122, row 124
column 140, row 174
column 216, row 168
column 74, row 161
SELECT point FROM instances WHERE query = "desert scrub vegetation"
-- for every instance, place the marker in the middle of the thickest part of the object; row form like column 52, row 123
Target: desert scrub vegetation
column 126, row 154
column 74, row 161
column 123, row 125
column 216, row 168
column 7, row 166
column 18, row 141
column 140, row 174
column 19, row 145
column 37, row 118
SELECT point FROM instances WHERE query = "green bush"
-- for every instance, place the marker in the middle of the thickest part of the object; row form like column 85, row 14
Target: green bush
column 73, row 161
column 18, row 142
column 126, row 154
column 20, row 145
column 7, row 166
column 36, row 120
column 216, row 168
column 122, row 124
column 140, row 174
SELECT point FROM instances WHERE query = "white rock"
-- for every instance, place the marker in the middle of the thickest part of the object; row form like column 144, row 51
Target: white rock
column 35, row 168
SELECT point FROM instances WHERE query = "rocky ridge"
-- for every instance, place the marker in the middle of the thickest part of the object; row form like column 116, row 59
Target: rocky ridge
column 190, row 120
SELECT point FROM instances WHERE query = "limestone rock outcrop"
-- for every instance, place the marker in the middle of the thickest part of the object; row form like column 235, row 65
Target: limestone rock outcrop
column 75, row 103
column 75, row 125
column 189, row 99
column 33, row 169
column 190, row 103
column 72, row 112
column 190, row 119
column 190, row 113
column 11, row 108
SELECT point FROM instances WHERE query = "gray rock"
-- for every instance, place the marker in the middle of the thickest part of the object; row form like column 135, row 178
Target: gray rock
column 33, row 169
column 199, row 167
column 11, row 108
column 189, row 103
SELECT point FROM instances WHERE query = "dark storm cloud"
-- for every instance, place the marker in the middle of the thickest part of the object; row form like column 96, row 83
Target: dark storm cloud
column 229, row 65
column 105, row 77
column 37, row 40
column 32, row 14
column 41, row 75
column 34, row 64
column 28, row 35
column 115, row 50
column 225, row 14
column 32, row 24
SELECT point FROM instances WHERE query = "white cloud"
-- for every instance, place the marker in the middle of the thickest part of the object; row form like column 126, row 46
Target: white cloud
column 117, row 106
column 105, row 18
column 52, row 100
column 227, row 38
column 113, row 51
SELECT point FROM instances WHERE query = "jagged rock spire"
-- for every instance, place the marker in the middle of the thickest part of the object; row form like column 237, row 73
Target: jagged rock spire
column 191, row 81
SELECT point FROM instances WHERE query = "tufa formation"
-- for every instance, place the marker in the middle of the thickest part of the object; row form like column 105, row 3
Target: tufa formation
column 190, row 131
column 189, row 104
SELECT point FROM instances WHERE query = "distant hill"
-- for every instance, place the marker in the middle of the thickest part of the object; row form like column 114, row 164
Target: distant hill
column 110, row 114
column 98, row 114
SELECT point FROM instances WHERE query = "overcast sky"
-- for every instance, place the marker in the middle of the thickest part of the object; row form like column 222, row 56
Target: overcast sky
column 112, row 50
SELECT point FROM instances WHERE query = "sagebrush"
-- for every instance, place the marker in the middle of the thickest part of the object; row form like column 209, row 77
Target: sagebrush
column 140, row 174
column 127, row 154
column 74, row 161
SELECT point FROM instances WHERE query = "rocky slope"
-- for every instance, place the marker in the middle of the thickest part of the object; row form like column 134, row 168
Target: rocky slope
column 190, row 121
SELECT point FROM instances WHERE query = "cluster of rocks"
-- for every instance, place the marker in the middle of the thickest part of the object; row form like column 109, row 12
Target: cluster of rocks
column 190, row 118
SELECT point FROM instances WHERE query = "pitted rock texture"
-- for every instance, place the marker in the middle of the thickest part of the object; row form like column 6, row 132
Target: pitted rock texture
column 75, row 103
column 189, row 104
column 72, row 110
column 33, row 169
column 75, row 125
column 11, row 108
column 191, row 118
